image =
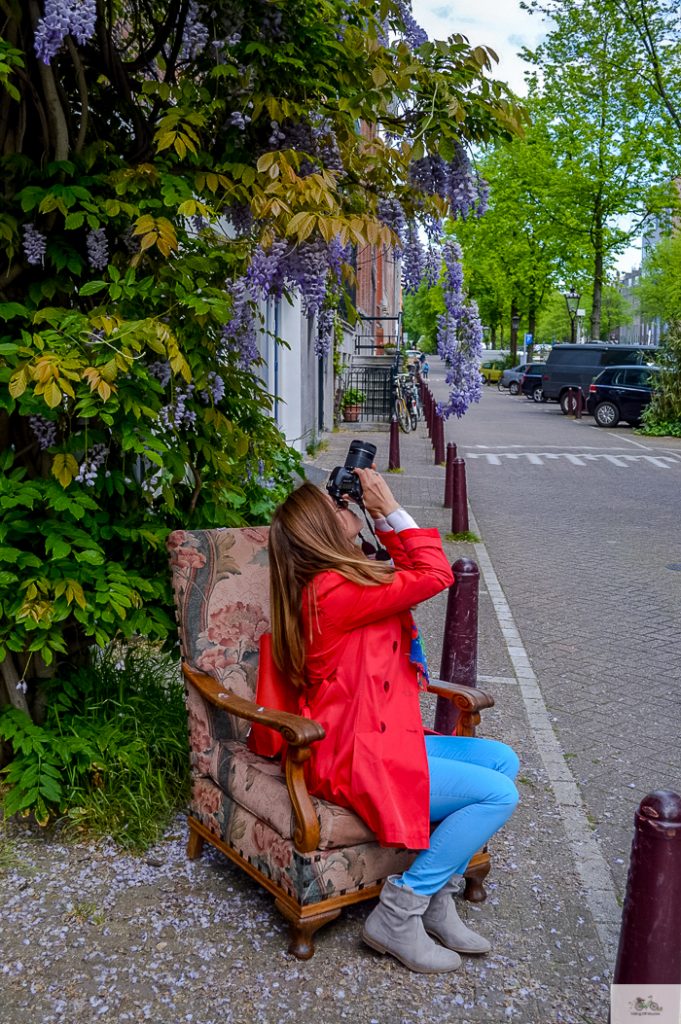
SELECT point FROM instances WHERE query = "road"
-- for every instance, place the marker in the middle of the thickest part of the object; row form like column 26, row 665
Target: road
column 583, row 527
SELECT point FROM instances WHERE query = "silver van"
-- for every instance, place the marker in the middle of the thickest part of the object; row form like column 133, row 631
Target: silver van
column 575, row 366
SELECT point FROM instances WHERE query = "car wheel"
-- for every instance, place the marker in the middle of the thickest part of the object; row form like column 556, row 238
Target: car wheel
column 500, row 386
column 567, row 403
column 538, row 395
column 606, row 414
column 514, row 387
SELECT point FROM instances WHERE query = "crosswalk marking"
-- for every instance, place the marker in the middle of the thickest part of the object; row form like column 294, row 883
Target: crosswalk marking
column 583, row 459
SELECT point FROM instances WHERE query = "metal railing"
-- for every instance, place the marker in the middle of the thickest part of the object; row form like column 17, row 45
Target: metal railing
column 376, row 384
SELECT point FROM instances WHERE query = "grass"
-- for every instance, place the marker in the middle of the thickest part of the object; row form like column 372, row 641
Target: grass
column 115, row 743
column 467, row 535
column 394, row 471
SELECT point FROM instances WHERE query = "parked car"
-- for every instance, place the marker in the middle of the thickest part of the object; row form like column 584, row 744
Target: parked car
column 575, row 366
column 511, row 378
column 531, row 382
column 491, row 371
column 621, row 393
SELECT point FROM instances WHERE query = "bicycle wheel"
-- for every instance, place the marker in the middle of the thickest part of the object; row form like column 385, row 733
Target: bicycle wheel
column 402, row 414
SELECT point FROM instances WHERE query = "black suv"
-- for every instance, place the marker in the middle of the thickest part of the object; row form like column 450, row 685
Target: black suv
column 531, row 382
column 621, row 393
column 574, row 366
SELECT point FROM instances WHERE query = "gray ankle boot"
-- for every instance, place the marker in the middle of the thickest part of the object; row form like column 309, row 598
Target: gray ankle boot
column 395, row 926
column 442, row 920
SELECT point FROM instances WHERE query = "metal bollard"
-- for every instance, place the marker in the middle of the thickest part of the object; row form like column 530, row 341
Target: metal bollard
column 460, row 643
column 459, row 497
column 449, row 475
column 579, row 404
column 439, row 439
column 394, row 452
column 650, row 948
column 430, row 407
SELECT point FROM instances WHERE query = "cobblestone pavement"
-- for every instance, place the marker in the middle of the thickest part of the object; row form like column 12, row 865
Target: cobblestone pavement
column 582, row 539
column 89, row 934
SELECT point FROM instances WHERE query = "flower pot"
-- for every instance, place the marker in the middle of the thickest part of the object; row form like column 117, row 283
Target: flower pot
column 351, row 413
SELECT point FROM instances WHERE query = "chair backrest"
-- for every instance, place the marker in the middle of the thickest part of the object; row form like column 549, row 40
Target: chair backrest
column 221, row 584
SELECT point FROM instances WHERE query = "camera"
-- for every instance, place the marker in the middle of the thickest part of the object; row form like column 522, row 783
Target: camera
column 343, row 483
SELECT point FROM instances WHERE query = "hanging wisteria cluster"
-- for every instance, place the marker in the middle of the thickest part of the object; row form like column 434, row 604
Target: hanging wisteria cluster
column 459, row 337
column 91, row 464
column 62, row 18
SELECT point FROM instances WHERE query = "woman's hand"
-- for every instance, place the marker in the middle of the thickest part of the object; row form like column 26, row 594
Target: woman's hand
column 378, row 498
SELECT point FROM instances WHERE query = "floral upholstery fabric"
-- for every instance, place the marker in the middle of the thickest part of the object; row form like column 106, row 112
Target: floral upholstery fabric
column 307, row 877
column 221, row 584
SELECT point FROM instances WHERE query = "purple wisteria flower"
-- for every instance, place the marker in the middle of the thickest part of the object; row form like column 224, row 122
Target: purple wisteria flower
column 239, row 335
column 413, row 33
column 326, row 321
column 195, row 36
column 266, row 271
column 91, row 464
column 161, row 371
column 63, row 17
column 35, row 245
column 390, row 212
column 97, row 249
column 413, row 261
column 177, row 416
column 45, row 431
column 459, row 337
column 215, row 390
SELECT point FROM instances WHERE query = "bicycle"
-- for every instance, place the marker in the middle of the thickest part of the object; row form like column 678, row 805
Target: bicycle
column 413, row 399
column 400, row 410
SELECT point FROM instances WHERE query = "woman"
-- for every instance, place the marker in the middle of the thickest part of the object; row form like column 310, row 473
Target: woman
column 342, row 630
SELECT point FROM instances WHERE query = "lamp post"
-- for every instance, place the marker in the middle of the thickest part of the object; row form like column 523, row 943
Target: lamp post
column 515, row 324
column 572, row 302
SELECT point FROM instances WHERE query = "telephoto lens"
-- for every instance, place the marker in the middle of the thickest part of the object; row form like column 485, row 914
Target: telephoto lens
column 361, row 455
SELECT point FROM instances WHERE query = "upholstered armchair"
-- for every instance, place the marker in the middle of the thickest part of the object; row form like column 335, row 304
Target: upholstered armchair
column 314, row 857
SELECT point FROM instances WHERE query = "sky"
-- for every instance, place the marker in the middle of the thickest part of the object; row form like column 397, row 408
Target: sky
column 506, row 28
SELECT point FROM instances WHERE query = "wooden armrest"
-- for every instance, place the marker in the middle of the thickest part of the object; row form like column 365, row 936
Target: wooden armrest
column 467, row 698
column 298, row 732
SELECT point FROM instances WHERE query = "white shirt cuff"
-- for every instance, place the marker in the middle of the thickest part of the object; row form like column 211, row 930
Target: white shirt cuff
column 398, row 520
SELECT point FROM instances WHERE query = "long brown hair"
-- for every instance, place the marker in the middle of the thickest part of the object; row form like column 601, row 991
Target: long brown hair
column 306, row 538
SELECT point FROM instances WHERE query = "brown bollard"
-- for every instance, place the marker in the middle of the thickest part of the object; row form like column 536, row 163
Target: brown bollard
column 579, row 404
column 650, row 950
column 460, row 643
column 430, row 407
column 449, row 475
column 394, row 452
column 439, row 439
column 459, row 497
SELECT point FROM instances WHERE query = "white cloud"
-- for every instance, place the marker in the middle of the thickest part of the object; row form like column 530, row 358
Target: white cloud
column 501, row 25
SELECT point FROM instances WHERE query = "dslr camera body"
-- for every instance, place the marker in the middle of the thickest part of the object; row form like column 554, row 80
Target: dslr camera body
column 343, row 484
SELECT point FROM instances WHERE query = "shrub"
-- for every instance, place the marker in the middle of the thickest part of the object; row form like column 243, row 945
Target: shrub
column 112, row 756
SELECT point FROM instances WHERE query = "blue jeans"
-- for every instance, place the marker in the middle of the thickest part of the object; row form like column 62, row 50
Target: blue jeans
column 471, row 794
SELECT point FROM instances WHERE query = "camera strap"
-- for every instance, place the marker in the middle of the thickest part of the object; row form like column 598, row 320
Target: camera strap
column 377, row 552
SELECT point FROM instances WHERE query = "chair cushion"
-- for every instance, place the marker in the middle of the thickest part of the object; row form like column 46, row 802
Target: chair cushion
column 308, row 877
column 258, row 785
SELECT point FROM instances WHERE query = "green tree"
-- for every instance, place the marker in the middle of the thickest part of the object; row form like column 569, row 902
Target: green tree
column 660, row 287
column 157, row 160
column 608, row 153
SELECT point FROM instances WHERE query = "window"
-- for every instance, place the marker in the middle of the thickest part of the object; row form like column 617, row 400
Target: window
column 617, row 356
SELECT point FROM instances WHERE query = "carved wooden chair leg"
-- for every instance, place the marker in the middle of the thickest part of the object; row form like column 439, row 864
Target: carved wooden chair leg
column 475, row 875
column 302, row 929
column 195, row 844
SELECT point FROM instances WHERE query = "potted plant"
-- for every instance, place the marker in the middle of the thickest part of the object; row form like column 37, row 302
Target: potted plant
column 351, row 404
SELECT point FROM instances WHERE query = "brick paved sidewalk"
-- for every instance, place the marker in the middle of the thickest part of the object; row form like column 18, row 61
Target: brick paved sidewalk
column 90, row 934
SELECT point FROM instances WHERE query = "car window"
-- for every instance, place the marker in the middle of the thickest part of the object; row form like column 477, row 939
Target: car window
column 616, row 377
column 617, row 356
column 535, row 368
column 638, row 377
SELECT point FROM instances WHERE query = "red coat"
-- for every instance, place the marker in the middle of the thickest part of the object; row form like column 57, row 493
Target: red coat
column 364, row 690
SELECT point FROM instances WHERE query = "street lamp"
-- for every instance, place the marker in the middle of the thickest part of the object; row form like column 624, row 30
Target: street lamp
column 572, row 302
column 515, row 324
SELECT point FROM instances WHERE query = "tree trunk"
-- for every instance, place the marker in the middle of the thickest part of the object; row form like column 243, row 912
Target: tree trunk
column 598, row 272
column 514, row 331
